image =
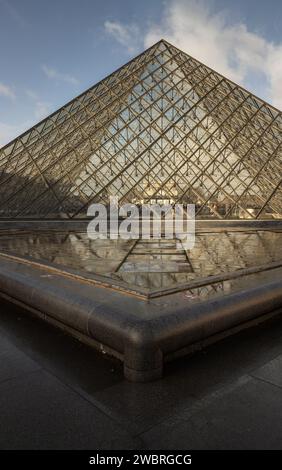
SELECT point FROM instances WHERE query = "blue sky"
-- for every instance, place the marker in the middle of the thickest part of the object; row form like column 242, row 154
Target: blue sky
column 52, row 51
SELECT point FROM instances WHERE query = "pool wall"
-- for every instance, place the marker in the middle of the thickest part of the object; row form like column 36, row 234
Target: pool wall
column 141, row 333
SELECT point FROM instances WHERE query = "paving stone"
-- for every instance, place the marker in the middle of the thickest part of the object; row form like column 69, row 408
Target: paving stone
column 249, row 417
column 271, row 371
column 39, row 412
column 192, row 378
column 14, row 363
column 204, row 400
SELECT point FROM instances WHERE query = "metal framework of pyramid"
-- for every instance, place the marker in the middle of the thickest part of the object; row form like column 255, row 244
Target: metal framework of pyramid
column 163, row 128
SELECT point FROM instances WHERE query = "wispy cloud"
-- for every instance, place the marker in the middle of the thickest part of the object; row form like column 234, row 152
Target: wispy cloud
column 232, row 49
column 31, row 94
column 7, row 91
column 41, row 108
column 14, row 13
column 127, row 35
column 53, row 74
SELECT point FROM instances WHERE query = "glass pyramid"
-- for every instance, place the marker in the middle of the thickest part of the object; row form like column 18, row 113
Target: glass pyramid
column 163, row 128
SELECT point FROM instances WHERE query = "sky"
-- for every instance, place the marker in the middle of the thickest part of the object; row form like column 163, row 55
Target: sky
column 51, row 51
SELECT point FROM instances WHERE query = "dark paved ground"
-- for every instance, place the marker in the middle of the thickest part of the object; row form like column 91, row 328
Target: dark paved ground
column 57, row 393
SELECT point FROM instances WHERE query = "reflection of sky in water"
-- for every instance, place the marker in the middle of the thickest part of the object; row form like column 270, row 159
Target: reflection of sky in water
column 159, row 263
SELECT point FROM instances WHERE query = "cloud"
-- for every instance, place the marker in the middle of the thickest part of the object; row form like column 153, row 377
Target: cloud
column 32, row 94
column 41, row 108
column 127, row 35
column 53, row 74
column 14, row 13
column 210, row 36
column 274, row 64
column 7, row 91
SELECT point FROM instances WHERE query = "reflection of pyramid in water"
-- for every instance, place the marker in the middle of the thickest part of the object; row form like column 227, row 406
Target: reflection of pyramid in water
column 163, row 127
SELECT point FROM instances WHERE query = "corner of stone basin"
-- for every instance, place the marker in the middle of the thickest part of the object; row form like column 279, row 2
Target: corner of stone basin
column 143, row 357
column 131, row 334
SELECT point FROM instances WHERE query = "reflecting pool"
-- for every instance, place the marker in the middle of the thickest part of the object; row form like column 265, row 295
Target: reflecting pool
column 152, row 264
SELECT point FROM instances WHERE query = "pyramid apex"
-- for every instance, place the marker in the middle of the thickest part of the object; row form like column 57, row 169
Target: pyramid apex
column 162, row 41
